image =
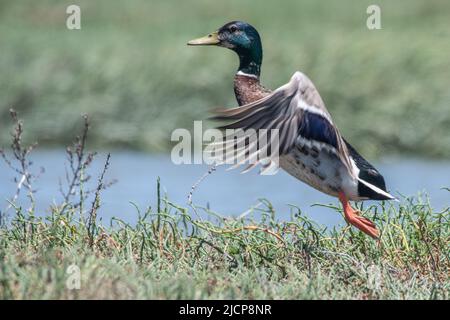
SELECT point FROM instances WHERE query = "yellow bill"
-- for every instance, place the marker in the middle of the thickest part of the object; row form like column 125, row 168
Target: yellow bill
column 209, row 40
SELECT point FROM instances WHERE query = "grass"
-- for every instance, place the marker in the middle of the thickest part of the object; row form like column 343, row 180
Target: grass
column 129, row 68
column 173, row 253
column 169, row 254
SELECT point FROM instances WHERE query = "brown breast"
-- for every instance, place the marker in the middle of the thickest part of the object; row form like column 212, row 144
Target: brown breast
column 248, row 89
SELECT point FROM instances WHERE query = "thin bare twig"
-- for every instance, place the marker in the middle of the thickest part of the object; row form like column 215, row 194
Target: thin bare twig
column 197, row 183
column 20, row 156
column 96, row 202
column 79, row 161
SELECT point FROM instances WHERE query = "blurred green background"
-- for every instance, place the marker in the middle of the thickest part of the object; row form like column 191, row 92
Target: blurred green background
column 129, row 68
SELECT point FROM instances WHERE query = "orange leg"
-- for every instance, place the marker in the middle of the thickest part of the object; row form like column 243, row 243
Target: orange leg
column 353, row 217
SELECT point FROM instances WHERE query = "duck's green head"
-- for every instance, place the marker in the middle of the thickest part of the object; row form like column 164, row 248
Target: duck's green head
column 240, row 37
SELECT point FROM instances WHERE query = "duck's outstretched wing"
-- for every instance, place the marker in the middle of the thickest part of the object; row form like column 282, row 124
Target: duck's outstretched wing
column 292, row 112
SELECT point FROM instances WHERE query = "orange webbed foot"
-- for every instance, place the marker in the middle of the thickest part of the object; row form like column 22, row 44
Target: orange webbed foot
column 354, row 217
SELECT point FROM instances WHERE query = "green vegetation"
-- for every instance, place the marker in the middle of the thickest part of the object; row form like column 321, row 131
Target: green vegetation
column 172, row 252
column 129, row 68
column 169, row 254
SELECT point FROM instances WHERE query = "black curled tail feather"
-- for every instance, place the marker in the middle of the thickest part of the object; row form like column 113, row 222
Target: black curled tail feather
column 374, row 178
column 370, row 176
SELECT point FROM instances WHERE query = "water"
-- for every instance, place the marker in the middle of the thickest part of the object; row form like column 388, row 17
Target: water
column 226, row 192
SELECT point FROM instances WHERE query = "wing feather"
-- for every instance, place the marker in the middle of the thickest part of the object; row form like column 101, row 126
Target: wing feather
column 296, row 110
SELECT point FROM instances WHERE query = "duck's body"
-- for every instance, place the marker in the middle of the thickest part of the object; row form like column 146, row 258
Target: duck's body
column 310, row 147
column 315, row 166
column 309, row 162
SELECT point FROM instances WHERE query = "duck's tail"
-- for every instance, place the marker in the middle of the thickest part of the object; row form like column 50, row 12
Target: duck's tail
column 366, row 189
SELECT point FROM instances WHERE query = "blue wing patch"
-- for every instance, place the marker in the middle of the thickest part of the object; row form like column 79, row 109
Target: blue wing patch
column 315, row 127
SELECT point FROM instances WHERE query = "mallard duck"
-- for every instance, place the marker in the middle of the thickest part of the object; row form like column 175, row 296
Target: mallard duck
column 311, row 147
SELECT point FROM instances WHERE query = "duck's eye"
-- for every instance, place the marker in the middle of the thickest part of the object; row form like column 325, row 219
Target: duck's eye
column 233, row 29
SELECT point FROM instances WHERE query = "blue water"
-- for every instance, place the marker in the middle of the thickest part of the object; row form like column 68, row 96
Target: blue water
column 226, row 192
